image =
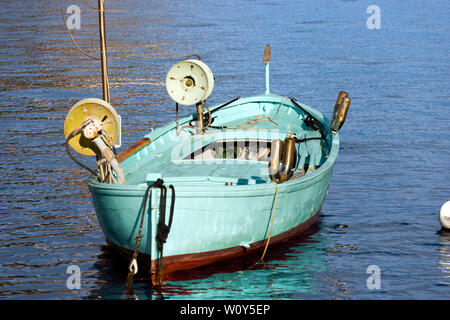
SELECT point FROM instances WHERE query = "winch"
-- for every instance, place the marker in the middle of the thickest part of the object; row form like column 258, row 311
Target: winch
column 190, row 82
column 92, row 127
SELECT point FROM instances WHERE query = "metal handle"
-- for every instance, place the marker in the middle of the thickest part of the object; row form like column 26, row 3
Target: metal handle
column 193, row 55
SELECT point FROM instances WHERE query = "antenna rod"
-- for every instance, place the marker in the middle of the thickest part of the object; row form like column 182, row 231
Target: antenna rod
column 101, row 20
column 266, row 60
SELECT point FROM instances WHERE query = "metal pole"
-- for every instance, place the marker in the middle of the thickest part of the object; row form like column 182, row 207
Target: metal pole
column 176, row 110
column 266, row 59
column 267, row 79
column 101, row 20
column 200, row 124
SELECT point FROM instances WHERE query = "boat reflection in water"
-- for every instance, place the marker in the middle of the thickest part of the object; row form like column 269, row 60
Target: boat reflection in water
column 301, row 259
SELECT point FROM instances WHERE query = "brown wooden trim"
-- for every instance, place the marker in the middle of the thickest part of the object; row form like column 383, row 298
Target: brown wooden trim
column 195, row 260
column 135, row 147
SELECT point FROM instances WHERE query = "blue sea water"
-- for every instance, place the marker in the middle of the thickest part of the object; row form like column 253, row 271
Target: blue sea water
column 391, row 177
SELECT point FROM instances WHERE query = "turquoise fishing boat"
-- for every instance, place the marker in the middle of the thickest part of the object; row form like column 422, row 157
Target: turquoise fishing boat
column 227, row 181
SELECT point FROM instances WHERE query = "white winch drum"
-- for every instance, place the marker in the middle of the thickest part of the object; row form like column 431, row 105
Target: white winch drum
column 189, row 82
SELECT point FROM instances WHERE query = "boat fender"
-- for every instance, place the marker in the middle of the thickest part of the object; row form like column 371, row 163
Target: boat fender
column 288, row 159
column 282, row 152
column 274, row 161
column 340, row 111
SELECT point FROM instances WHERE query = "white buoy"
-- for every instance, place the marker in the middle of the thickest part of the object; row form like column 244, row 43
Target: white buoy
column 444, row 215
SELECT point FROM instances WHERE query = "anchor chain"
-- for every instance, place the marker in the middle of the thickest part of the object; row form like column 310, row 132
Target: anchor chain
column 161, row 236
column 133, row 266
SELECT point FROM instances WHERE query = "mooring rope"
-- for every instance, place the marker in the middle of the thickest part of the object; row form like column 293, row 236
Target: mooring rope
column 272, row 219
column 271, row 222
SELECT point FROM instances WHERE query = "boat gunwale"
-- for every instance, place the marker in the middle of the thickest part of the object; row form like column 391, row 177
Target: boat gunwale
column 270, row 98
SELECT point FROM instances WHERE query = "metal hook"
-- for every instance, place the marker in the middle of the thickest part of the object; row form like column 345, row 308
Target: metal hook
column 133, row 266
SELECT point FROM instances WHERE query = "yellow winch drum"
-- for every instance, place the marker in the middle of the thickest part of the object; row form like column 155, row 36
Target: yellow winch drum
column 92, row 108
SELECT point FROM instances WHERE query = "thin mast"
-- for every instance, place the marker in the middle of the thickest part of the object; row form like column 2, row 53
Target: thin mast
column 101, row 19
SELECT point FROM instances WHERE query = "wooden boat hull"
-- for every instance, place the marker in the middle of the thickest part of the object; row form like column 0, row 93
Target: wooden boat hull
column 240, row 228
column 211, row 221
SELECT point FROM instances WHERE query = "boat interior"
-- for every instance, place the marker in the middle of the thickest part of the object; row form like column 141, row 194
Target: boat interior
column 234, row 150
